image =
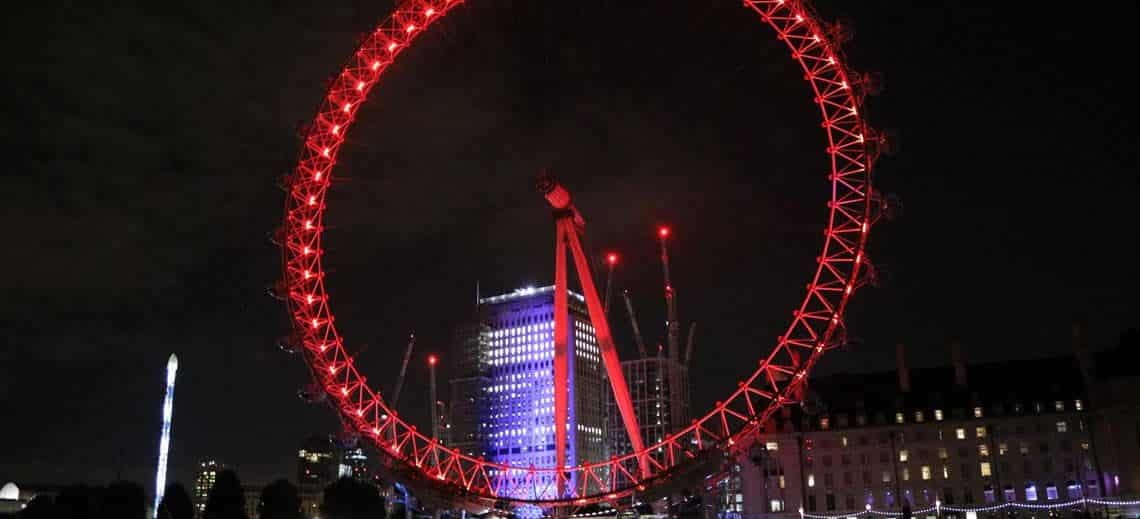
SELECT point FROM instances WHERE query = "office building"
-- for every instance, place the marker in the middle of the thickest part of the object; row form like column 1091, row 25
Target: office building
column 204, row 482
column 316, row 463
column 354, row 464
column 517, row 420
column 468, row 400
column 659, row 389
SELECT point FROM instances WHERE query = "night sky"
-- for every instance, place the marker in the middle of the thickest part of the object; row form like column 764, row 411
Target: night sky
column 145, row 143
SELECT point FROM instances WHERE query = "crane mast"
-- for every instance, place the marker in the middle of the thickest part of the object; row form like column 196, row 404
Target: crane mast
column 403, row 371
column 432, row 399
column 689, row 344
column 673, row 328
column 633, row 322
column 611, row 262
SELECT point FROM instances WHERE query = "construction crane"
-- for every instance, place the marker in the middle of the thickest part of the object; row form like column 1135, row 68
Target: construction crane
column 689, row 344
column 611, row 262
column 633, row 322
column 403, row 371
column 432, row 361
column 568, row 226
column 673, row 328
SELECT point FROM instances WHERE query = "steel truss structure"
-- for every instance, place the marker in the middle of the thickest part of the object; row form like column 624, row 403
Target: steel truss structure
column 816, row 325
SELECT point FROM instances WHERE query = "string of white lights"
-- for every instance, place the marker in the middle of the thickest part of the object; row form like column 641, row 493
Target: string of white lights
column 940, row 507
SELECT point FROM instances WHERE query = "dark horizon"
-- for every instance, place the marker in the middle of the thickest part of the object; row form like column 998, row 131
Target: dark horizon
column 148, row 141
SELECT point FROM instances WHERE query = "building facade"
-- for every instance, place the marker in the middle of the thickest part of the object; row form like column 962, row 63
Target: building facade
column 316, row 463
column 516, row 424
column 468, row 401
column 354, row 464
column 659, row 389
column 204, row 482
column 1015, row 432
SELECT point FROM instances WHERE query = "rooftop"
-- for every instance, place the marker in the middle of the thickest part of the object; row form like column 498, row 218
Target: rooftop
column 525, row 292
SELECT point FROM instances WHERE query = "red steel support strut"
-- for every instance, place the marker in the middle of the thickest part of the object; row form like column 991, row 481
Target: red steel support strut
column 561, row 359
column 568, row 221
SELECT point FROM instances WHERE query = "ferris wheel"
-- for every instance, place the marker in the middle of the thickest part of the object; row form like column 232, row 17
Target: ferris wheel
column 779, row 377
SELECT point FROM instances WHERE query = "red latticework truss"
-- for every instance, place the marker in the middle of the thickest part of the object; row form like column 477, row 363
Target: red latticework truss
column 816, row 324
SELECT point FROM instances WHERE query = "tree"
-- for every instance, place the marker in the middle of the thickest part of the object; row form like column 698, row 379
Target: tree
column 176, row 503
column 124, row 500
column 279, row 500
column 226, row 499
column 78, row 502
column 348, row 498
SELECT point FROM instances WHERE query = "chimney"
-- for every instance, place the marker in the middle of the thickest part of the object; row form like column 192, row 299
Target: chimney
column 959, row 364
column 904, row 372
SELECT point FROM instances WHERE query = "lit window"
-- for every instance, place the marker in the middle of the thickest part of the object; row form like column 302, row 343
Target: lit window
column 906, row 474
column 899, row 418
column 772, row 446
column 886, row 477
column 918, row 417
column 1062, row 427
column 1078, row 405
column 1030, row 492
column 776, row 505
column 782, row 484
column 1059, row 406
column 843, row 441
column 1003, row 448
column 824, row 423
column 1051, row 492
column 980, row 432
column 1023, row 448
column 945, row 472
column 985, row 467
column 1084, row 446
column 925, row 472
column 983, row 450
column 942, row 453
column 903, row 455
column 938, row 415
column 978, row 412
column 1010, row 495
column 811, row 480
column 960, row 433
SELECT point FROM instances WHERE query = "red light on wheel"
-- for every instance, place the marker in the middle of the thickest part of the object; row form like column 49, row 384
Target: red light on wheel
column 663, row 232
column 612, row 258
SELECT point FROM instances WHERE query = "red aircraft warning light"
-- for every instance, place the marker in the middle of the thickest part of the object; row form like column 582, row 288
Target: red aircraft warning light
column 663, row 231
column 432, row 359
column 612, row 258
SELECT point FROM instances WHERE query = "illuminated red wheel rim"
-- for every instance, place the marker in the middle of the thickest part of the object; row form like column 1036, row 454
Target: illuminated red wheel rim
column 816, row 323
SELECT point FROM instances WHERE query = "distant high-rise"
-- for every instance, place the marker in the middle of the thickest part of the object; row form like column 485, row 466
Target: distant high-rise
column 659, row 389
column 354, row 464
column 517, row 419
column 204, row 482
column 469, row 370
column 316, row 463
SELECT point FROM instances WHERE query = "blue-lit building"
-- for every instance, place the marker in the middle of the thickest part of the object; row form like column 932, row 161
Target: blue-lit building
column 517, row 415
